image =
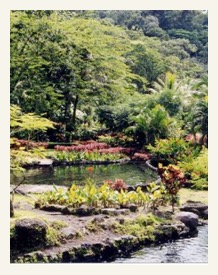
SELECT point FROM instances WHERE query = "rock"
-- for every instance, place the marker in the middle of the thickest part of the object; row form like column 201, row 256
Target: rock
column 130, row 188
column 204, row 215
column 53, row 208
column 45, row 162
column 36, row 188
column 30, row 233
column 69, row 233
column 185, row 232
column 133, row 207
column 169, row 232
column 68, row 210
column 84, row 253
column 85, row 211
column 148, row 163
column 110, row 249
column 202, row 222
column 188, row 218
column 195, row 207
column 121, row 220
column 97, row 248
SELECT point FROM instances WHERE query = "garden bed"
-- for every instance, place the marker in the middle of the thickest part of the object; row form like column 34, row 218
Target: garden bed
column 50, row 236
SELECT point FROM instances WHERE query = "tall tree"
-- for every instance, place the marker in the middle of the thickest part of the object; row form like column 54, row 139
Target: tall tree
column 58, row 65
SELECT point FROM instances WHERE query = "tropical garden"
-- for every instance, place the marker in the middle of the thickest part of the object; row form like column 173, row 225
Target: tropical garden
column 101, row 88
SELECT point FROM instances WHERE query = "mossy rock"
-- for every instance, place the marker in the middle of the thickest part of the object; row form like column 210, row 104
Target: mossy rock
column 29, row 234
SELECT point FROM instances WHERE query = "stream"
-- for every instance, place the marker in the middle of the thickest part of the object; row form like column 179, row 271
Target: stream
column 191, row 250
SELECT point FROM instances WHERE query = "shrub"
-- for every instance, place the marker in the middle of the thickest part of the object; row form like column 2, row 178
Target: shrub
column 118, row 184
column 116, row 140
column 172, row 178
column 27, row 144
column 171, row 149
column 197, row 169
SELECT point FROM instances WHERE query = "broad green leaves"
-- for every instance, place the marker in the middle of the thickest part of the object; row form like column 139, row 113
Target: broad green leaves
column 29, row 122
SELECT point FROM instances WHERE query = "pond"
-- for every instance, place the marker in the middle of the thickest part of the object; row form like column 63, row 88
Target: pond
column 131, row 173
column 192, row 250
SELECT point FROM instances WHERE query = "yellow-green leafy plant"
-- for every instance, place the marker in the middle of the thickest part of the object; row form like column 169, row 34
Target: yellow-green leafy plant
column 157, row 195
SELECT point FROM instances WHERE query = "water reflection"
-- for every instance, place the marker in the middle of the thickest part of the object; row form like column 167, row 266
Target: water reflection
column 131, row 173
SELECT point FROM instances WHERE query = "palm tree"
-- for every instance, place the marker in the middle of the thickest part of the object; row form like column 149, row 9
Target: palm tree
column 169, row 83
column 200, row 120
column 151, row 124
column 199, row 114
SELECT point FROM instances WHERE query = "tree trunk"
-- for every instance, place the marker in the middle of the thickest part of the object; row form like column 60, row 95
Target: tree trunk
column 70, row 119
column 74, row 109
column 11, row 208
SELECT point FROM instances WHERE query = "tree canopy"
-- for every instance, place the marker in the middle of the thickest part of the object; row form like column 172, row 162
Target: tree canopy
column 77, row 68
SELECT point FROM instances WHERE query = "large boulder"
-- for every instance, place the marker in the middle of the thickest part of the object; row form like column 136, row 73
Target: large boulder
column 204, row 215
column 29, row 233
column 196, row 207
column 188, row 218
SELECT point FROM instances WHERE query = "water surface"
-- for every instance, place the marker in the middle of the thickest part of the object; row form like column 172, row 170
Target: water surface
column 131, row 173
column 192, row 250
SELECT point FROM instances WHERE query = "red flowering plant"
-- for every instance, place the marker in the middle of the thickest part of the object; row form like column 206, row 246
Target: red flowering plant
column 82, row 147
column 118, row 184
column 173, row 178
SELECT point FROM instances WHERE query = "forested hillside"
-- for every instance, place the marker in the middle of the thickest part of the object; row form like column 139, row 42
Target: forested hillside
column 139, row 73
column 167, row 24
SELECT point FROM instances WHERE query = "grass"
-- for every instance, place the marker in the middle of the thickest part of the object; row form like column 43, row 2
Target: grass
column 27, row 199
column 195, row 195
column 141, row 227
column 21, row 214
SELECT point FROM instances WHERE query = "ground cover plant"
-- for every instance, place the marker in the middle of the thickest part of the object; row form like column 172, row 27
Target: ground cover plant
column 109, row 194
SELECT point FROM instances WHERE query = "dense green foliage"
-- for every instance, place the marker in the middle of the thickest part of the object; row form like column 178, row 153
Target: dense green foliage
column 186, row 25
column 127, row 78
column 197, row 169
column 96, row 72
column 191, row 158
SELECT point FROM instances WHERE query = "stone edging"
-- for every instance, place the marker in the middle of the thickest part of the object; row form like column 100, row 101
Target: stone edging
column 108, row 249
column 50, row 162
column 148, row 163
